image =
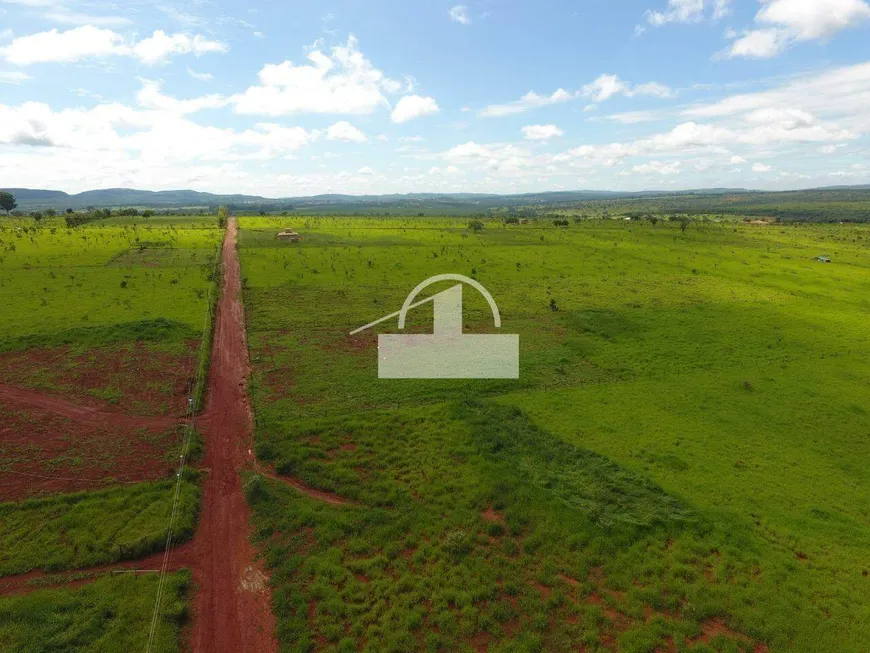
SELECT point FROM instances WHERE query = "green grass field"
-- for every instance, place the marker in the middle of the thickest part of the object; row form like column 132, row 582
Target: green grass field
column 54, row 279
column 72, row 531
column 678, row 466
column 111, row 614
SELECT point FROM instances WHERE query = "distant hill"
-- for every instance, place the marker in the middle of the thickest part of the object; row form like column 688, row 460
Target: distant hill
column 113, row 197
column 426, row 203
column 33, row 199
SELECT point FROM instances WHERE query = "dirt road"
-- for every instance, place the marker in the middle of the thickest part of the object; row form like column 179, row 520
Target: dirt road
column 232, row 610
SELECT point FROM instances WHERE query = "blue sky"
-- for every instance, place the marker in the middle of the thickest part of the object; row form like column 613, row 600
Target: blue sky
column 365, row 96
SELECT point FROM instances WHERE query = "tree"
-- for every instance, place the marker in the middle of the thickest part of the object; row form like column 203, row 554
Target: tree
column 7, row 201
column 223, row 214
column 475, row 226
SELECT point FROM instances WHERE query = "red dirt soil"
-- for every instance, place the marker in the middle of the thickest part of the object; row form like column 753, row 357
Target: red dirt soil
column 148, row 380
column 86, row 414
column 232, row 610
column 46, row 453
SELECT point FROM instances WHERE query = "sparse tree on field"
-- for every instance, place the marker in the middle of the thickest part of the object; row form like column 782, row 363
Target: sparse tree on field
column 7, row 201
column 475, row 226
column 223, row 214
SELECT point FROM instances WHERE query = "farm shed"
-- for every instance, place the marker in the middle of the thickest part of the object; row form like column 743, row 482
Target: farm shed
column 290, row 236
column 823, row 259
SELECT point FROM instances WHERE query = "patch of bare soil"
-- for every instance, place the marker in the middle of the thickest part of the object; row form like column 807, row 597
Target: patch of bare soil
column 492, row 516
column 136, row 378
column 46, row 452
column 713, row 628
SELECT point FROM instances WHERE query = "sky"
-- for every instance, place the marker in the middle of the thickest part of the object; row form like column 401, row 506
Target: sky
column 284, row 99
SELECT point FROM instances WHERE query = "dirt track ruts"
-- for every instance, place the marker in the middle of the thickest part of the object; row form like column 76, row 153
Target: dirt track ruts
column 69, row 409
column 232, row 605
column 179, row 558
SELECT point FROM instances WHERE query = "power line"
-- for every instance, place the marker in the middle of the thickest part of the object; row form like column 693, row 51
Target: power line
column 180, row 474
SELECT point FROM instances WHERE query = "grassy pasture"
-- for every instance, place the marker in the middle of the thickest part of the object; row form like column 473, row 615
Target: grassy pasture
column 99, row 527
column 112, row 613
column 678, row 464
column 54, row 279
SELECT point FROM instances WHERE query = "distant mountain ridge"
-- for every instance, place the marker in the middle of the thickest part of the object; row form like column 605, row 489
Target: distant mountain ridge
column 40, row 199
column 31, row 199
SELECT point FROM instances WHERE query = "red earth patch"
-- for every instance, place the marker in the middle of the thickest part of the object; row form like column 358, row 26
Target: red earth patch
column 135, row 378
column 45, row 453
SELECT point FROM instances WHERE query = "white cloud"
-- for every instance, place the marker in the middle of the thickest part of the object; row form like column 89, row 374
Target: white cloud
column 606, row 86
column 344, row 131
column 65, row 17
column 688, row 11
column 814, row 19
column 631, row 117
column 459, row 14
column 54, row 46
column 158, row 47
column 508, row 159
column 203, row 77
column 413, row 106
column 365, row 170
column 653, row 89
column 738, row 160
column 791, row 21
column 150, row 97
column 761, row 167
column 88, row 41
column 448, row 170
column 140, row 138
column 759, row 44
column 658, row 168
column 342, row 82
column 13, row 77
column 530, row 100
column 541, row 132
column 841, row 94
column 721, row 9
